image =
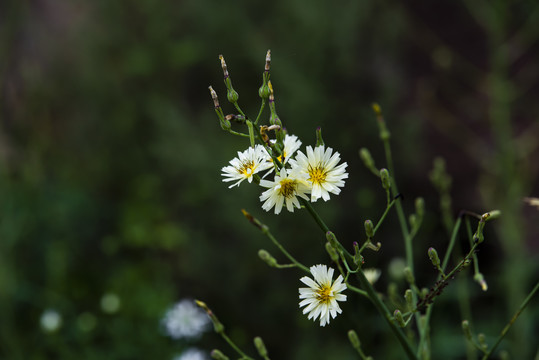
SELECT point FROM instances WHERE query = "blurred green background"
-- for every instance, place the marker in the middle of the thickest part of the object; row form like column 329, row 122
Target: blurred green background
column 110, row 158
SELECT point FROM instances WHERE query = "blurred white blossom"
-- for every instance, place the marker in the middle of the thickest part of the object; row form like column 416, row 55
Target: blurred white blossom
column 192, row 354
column 50, row 320
column 185, row 320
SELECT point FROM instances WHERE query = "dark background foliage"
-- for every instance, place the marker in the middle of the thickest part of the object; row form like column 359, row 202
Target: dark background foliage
column 111, row 153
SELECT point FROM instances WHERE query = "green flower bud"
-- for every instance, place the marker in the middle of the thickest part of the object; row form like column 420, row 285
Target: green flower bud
column 260, row 347
column 478, row 277
column 264, row 91
column 433, row 256
column 384, row 176
column 332, row 253
column 218, row 355
column 466, row 329
column 369, row 229
column 409, row 276
column 482, row 341
column 332, row 240
column 267, row 258
column 354, row 339
column 491, row 215
column 412, row 219
column 409, row 297
column 420, row 207
column 319, row 140
column 232, row 95
column 366, row 157
column 399, row 319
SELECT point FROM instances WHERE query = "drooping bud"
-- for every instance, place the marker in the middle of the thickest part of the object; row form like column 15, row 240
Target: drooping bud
column 398, row 318
column 369, row 229
column 267, row 258
column 479, row 278
column 354, row 339
column 217, row 325
column 218, row 355
column 260, row 347
column 384, row 176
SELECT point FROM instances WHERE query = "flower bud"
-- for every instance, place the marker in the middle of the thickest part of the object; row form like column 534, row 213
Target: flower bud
column 412, row 219
column 264, row 91
column 433, row 256
column 384, row 176
column 409, row 297
column 398, row 318
column 260, row 347
column 217, row 325
column 267, row 258
column 358, row 259
column 491, row 215
column 478, row 277
column 319, row 140
column 420, row 207
column 369, row 229
column 218, row 355
column 332, row 252
column 482, row 341
column 366, row 157
column 354, row 339
column 332, row 240
column 232, row 95
column 409, row 276
column 466, row 329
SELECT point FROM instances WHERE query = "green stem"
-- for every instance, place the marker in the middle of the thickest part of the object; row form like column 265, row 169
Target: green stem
column 389, row 206
column 266, row 231
column 235, row 347
column 260, row 111
column 512, row 321
column 382, row 309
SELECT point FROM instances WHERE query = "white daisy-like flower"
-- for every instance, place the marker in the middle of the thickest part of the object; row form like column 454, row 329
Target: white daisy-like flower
column 291, row 144
column 185, row 320
column 321, row 297
column 284, row 190
column 248, row 163
column 372, row 274
column 324, row 173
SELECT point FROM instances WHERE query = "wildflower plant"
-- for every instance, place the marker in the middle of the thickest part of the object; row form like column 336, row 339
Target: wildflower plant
column 293, row 178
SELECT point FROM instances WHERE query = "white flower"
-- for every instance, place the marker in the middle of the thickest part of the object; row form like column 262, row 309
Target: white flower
column 50, row 320
column 247, row 164
column 291, row 144
column 185, row 320
column 323, row 172
column 192, row 354
column 284, row 189
column 322, row 295
column 372, row 274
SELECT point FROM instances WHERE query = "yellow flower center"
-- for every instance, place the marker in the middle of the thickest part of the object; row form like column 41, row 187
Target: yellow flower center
column 324, row 294
column 288, row 187
column 247, row 168
column 317, row 174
